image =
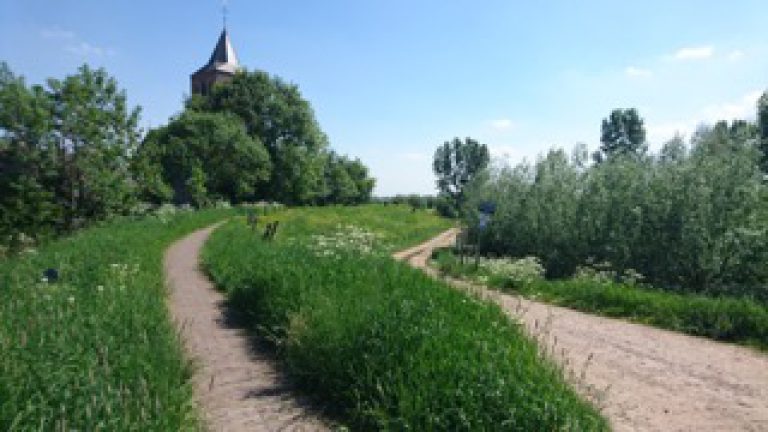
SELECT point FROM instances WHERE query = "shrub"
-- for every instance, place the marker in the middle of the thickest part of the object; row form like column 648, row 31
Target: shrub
column 692, row 220
column 514, row 272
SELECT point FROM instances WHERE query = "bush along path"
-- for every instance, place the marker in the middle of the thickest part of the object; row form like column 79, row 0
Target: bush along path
column 644, row 379
column 236, row 384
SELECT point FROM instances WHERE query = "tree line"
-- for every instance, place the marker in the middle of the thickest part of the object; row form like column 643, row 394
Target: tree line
column 72, row 152
column 693, row 216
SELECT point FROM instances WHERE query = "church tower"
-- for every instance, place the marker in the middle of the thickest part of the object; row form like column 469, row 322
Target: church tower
column 222, row 66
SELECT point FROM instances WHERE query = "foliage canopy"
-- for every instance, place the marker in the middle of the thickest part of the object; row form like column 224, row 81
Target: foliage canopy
column 455, row 164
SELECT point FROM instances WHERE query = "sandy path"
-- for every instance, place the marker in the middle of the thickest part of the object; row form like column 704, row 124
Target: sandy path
column 236, row 384
column 645, row 379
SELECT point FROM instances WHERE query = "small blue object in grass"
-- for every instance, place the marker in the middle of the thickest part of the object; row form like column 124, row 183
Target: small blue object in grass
column 51, row 275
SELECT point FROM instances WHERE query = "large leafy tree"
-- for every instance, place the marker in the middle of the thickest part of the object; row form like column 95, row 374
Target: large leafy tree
column 622, row 133
column 94, row 133
column 346, row 181
column 202, row 156
column 64, row 152
column 455, row 164
column 359, row 175
column 27, row 163
column 275, row 113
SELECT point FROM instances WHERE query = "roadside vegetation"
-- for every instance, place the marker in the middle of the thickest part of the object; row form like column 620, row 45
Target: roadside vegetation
column 392, row 227
column 692, row 218
column 88, row 344
column 600, row 291
column 380, row 345
column 676, row 239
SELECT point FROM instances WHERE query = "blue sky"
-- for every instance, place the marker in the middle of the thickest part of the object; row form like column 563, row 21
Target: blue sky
column 390, row 80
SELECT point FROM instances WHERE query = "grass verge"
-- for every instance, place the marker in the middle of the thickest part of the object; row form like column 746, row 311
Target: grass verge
column 729, row 319
column 394, row 226
column 383, row 346
column 95, row 350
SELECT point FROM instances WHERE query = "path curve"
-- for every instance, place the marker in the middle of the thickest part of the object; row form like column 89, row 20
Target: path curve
column 236, row 385
column 643, row 378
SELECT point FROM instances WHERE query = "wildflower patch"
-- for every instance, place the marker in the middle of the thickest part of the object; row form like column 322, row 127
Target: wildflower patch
column 345, row 240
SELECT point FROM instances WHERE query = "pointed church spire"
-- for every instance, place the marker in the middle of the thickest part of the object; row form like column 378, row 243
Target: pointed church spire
column 223, row 53
column 221, row 66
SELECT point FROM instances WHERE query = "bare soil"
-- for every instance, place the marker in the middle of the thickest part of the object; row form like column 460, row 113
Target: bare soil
column 642, row 378
column 236, row 383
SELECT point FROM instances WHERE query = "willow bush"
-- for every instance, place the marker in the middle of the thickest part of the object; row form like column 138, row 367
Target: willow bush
column 691, row 218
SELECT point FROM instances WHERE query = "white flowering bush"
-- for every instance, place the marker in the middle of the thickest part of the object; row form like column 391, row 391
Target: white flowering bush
column 346, row 239
column 515, row 272
column 603, row 272
column 597, row 273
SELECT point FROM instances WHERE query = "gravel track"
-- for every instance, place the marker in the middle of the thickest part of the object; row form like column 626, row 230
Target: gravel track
column 236, row 384
column 643, row 378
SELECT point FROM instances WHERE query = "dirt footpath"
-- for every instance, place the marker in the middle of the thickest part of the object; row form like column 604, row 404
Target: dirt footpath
column 236, row 385
column 643, row 378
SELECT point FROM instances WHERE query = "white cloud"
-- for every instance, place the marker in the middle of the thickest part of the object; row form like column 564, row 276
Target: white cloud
column 636, row 72
column 736, row 55
column 502, row 124
column 741, row 108
column 694, row 53
column 71, row 43
column 57, row 33
column 84, row 49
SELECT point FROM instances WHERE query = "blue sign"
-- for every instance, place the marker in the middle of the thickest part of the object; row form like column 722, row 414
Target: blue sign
column 487, row 207
column 485, row 218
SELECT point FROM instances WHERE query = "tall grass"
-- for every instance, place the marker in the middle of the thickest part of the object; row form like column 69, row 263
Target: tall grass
column 723, row 318
column 398, row 225
column 384, row 346
column 95, row 350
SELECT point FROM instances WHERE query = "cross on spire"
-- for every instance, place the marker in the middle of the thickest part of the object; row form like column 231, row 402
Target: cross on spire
column 224, row 12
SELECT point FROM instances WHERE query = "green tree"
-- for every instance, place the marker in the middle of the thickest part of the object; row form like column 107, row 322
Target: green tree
column 346, row 181
column 94, row 133
column 455, row 164
column 275, row 113
column 64, row 152
column 27, row 168
column 341, row 188
column 363, row 182
column 673, row 151
column 623, row 133
column 200, row 157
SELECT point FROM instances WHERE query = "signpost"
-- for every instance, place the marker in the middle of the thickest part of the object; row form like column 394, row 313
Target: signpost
column 486, row 210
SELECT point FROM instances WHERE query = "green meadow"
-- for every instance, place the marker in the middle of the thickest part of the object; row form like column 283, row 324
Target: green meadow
column 378, row 344
column 95, row 349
